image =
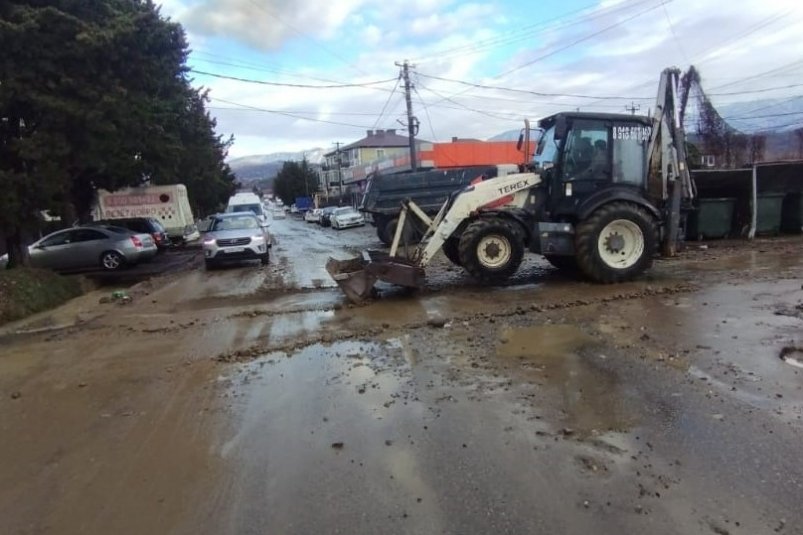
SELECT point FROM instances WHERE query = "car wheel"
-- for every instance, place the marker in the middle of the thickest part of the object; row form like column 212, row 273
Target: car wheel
column 112, row 261
column 210, row 265
column 265, row 259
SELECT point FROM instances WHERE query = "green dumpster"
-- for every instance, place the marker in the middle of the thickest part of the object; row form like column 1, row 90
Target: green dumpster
column 768, row 213
column 792, row 214
column 712, row 219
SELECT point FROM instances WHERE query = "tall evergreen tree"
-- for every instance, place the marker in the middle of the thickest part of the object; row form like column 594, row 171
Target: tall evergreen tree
column 96, row 95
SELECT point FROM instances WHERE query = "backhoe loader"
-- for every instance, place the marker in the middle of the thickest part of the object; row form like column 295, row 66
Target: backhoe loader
column 607, row 190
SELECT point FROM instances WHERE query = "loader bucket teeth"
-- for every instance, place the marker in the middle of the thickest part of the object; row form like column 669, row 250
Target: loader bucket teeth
column 356, row 276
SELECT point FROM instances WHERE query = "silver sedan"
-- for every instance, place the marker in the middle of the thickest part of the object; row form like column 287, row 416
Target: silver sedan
column 107, row 247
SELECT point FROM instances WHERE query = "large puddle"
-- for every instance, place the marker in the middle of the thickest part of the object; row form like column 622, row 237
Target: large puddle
column 569, row 362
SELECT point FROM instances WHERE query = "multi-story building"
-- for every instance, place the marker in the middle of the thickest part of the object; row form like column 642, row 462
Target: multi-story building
column 376, row 145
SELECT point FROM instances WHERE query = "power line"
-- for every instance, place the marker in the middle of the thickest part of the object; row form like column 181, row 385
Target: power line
column 390, row 96
column 753, row 91
column 282, row 84
column 527, row 32
column 287, row 114
column 528, row 92
column 462, row 106
column 674, row 34
column 578, row 41
column 300, row 112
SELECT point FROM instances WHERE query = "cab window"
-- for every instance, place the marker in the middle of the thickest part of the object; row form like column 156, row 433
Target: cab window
column 586, row 155
column 630, row 145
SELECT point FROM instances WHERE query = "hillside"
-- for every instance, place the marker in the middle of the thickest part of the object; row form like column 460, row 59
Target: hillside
column 262, row 168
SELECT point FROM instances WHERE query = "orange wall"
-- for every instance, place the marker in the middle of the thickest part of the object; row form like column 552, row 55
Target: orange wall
column 465, row 153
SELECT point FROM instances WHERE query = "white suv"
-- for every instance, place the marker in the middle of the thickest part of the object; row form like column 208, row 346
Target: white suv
column 234, row 237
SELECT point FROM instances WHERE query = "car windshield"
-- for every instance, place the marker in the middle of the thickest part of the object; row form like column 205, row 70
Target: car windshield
column 256, row 209
column 344, row 211
column 235, row 223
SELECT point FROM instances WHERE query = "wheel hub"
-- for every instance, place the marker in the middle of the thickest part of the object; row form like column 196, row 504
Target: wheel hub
column 492, row 250
column 615, row 243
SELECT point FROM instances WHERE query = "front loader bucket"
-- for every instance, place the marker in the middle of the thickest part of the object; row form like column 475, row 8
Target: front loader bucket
column 357, row 276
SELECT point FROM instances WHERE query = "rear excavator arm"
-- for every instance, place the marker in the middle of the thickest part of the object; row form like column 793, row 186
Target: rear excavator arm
column 668, row 173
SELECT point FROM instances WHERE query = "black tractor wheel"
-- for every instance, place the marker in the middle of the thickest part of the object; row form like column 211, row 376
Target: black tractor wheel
column 491, row 249
column 451, row 248
column 567, row 264
column 616, row 243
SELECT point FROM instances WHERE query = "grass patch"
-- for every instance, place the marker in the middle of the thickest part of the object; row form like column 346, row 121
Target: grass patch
column 27, row 291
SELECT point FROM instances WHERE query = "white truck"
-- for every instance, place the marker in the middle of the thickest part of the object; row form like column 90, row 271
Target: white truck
column 248, row 202
column 169, row 204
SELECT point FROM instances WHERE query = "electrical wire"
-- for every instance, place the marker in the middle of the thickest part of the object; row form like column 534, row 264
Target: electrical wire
column 287, row 114
column 528, row 92
column 282, row 84
column 390, row 96
column 578, row 41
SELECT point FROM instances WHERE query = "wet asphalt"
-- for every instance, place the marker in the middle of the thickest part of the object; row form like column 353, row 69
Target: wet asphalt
column 257, row 400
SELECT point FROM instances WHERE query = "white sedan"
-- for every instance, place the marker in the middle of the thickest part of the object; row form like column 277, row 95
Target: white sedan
column 312, row 216
column 347, row 217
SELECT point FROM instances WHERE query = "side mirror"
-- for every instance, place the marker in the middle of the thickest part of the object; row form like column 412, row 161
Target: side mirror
column 520, row 142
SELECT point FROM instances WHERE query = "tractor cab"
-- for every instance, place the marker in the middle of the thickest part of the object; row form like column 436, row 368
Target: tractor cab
column 587, row 157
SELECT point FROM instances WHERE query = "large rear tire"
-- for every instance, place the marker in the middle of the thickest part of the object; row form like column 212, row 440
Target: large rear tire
column 491, row 249
column 451, row 249
column 616, row 243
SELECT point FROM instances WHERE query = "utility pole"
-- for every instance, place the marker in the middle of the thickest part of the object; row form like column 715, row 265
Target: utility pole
column 412, row 121
column 633, row 108
column 339, row 169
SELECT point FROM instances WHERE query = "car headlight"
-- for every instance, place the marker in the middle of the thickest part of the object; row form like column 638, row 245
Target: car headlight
column 258, row 238
column 209, row 241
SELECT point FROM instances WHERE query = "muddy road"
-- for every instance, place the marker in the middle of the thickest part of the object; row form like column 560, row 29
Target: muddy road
column 256, row 400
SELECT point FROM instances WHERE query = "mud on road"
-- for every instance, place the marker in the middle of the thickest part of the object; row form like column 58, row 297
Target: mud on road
column 257, row 400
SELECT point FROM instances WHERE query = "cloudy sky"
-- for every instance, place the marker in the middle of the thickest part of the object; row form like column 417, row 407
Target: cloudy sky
column 570, row 51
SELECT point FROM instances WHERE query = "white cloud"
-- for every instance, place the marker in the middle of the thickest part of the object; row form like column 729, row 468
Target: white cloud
column 265, row 25
column 726, row 45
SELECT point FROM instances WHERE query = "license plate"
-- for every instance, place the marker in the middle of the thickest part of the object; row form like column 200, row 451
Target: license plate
column 234, row 249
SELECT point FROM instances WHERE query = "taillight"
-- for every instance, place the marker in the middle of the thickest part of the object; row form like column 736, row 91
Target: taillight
column 136, row 241
column 157, row 237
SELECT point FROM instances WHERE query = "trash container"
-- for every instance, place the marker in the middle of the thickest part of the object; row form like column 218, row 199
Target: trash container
column 768, row 213
column 792, row 214
column 712, row 219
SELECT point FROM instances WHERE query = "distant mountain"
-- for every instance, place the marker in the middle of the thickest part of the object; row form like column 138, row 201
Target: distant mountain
column 509, row 135
column 263, row 167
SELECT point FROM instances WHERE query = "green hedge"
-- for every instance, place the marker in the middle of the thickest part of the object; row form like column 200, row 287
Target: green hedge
column 27, row 291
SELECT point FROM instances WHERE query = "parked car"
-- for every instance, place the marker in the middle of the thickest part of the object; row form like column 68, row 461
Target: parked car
column 313, row 216
column 143, row 225
column 346, row 217
column 107, row 247
column 326, row 214
column 278, row 213
column 236, row 236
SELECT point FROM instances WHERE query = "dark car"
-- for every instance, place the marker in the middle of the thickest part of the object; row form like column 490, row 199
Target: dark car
column 326, row 216
column 143, row 225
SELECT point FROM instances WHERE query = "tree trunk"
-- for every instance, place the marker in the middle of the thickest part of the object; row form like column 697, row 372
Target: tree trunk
column 18, row 255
